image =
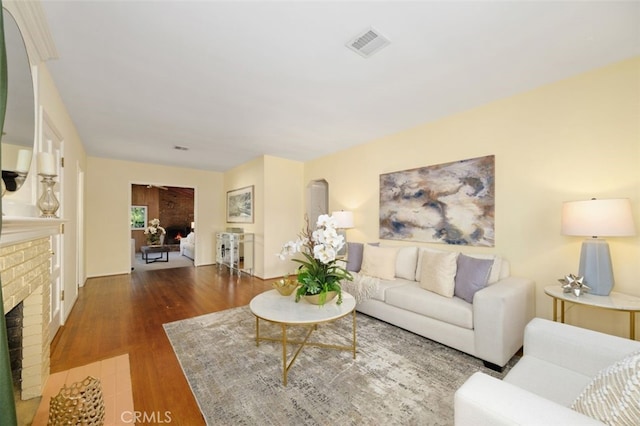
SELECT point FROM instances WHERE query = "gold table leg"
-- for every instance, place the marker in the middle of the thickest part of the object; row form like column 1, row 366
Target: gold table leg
column 562, row 311
column 555, row 308
column 286, row 364
column 284, row 354
column 632, row 325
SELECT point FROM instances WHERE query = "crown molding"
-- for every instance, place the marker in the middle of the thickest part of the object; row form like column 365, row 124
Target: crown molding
column 33, row 25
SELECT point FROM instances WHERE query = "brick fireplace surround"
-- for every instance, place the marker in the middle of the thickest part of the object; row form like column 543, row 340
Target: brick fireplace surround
column 25, row 263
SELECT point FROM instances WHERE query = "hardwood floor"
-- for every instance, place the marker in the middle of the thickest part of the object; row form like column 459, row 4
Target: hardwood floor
column 124, row 314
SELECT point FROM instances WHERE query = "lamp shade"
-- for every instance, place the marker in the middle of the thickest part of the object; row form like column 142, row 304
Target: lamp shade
column 344, row 219
column 598, row 218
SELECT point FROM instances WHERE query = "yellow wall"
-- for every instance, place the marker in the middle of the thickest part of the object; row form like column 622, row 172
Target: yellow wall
column 108, row 199
column 278, row 208
column 248, row 174
column 284, row 211
column 572, row 140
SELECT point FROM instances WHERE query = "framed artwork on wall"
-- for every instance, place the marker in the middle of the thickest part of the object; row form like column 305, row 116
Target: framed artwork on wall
column 240, row 205
column 138, row 217
column 451, row 203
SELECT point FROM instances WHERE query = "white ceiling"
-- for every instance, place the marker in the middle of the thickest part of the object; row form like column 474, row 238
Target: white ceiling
column 233, row 80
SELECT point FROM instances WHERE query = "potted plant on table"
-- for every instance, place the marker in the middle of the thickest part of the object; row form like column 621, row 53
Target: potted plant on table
column 155, row 233
column 319, row 273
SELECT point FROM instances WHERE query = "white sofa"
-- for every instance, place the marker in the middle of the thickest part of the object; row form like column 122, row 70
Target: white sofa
column 489, row 326
column 188, row 246
column 559, row 362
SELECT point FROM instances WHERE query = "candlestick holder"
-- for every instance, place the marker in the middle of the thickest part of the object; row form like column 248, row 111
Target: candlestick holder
column 48, row 203
column 22, row 176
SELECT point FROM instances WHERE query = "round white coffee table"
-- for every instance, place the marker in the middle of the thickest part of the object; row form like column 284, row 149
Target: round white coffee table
column 283, row 310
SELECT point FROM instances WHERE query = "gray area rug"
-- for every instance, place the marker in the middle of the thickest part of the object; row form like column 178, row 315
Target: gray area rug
column 397, row 377
column 175, row 261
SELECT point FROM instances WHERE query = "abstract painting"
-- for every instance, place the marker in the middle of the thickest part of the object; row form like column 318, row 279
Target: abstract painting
column 240, row 205
column 451, row 203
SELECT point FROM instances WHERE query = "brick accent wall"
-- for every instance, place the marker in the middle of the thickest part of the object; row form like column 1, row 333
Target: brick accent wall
column 25, row 273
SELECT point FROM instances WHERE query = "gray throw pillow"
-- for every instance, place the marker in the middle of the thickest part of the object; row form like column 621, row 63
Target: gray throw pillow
column 354, row 256
column 472, row 275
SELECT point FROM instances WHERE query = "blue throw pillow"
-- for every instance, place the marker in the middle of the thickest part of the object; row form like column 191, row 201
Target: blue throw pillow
column 472, row 275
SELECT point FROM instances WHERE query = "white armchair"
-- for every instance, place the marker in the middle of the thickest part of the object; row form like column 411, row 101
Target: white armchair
column 188, row 246
column 559, row 362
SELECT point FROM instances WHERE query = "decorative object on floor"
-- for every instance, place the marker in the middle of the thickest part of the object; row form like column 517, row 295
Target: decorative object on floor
column 80, row 403
column 138, row 217
column 597, row 218
column 573, row 284
column 397, row 378
column 155, row 233
column 240, row 205
column 285, row 286
column 450, row 203
column 319, row 272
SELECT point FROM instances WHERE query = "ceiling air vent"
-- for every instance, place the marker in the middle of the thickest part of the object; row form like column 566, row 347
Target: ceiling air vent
column 368, row 43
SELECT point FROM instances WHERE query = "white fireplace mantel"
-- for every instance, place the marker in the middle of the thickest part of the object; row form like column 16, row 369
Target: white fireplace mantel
column 19, row 229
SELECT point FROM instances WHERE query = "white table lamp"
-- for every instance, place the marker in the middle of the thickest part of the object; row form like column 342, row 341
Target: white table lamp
column 344, row 220
column 597, row 218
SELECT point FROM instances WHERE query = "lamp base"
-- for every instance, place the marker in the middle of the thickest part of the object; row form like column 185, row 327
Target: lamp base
column 595, row 266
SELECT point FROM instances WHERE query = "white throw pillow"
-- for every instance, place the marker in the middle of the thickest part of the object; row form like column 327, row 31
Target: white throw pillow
column 379, row 262
column 613, row 396
column 406, row 262
column 421, row 252
column 438, row 272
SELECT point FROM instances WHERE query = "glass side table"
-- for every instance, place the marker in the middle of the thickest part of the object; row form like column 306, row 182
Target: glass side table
column 614, row 301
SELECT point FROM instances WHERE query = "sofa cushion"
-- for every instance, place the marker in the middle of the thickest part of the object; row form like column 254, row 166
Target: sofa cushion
column 438, row 272
column 547, row 379
column 384, row 285
column 613, row 396
column 472, row 275
column 406, row 262
column 413, row 298
column 379, row 262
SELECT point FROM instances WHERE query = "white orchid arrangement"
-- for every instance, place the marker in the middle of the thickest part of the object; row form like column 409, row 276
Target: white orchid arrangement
column 319, row 271
column 154, row 230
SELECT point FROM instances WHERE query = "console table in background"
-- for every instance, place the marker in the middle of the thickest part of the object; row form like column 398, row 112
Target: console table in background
column 235, row 251
column 614, row 301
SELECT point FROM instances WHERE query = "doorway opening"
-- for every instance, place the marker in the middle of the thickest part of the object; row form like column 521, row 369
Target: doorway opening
column 174, row 208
